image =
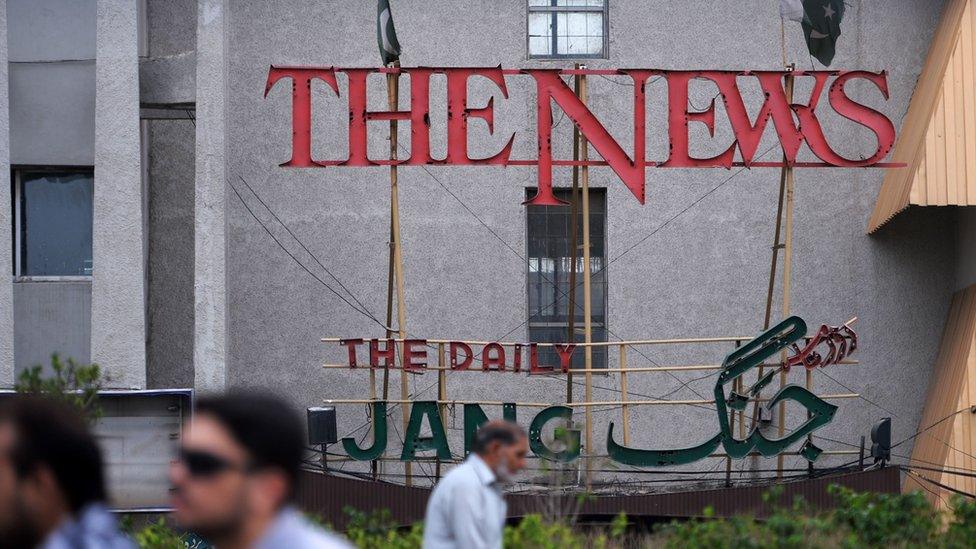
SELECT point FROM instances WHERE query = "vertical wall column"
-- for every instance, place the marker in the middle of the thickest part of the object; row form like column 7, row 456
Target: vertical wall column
column 118, row 266
column 6, row 246
column 210, row 222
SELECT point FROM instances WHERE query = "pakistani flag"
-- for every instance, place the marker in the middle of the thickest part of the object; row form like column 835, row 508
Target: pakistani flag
column 820, row 20
column 386, row 33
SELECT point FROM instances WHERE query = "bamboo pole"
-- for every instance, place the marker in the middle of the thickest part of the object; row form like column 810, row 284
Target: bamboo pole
column 837, row 396
column 441, row 396
column 393, row 96
column 729, row 339
column 787, row 282
column 637, row 369
column 777, row 245
column 341, row 459
column 737, row 387
column 587, row 305
column 574, row 243
column 625, row 409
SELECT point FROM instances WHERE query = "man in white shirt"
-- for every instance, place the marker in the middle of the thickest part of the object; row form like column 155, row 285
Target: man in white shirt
column 466, row 509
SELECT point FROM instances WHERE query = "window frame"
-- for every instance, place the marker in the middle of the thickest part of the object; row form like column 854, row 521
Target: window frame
column 17, row 193
column 552, row 9
column 605, row 325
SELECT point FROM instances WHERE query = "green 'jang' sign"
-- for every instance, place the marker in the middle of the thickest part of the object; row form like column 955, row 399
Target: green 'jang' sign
column 736, row 364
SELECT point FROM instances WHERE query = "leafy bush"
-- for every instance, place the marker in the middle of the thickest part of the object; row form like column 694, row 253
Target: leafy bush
column 880, row 520
column 157, row 535
column 378, row 530
column 70, row 382
column 859, row 520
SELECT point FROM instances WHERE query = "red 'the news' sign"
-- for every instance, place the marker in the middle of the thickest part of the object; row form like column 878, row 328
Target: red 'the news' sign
column 795, row 122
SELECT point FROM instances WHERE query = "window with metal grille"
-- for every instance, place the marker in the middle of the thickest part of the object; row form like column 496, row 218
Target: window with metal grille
column 550, row 264
column 567, row 29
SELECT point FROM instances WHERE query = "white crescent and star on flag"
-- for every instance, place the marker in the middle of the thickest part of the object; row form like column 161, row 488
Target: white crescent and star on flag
column 387, row 43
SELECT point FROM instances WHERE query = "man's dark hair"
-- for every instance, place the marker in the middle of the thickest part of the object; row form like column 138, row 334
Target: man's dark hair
column 54, row 434
column 504, row 432
column 268, row 429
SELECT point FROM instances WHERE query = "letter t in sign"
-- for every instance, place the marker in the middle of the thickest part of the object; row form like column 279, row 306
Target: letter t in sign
column 301, row 107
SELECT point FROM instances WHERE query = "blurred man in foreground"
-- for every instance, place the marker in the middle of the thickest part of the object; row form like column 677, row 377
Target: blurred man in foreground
column 237, row 473
column 466, row 510
column 52, row 488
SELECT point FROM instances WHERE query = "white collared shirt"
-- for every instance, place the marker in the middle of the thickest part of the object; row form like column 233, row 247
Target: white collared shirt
column 466, row 509
column 290, row 529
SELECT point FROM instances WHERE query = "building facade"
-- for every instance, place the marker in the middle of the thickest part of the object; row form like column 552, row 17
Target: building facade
column 155, row 232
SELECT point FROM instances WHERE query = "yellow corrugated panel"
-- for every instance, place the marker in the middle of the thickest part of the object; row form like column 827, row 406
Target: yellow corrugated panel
column 938, row 137
column 945, row 436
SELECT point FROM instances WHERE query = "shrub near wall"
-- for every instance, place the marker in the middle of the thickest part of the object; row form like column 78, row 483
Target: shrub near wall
column 859, row 520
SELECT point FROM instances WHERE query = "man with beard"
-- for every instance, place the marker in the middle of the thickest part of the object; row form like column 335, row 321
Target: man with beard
column 466, row 509
column 237, row 472
column 52, row 488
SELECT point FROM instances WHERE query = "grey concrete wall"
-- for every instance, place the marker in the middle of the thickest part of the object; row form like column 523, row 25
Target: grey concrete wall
column 52, row 317
column 704, row 274
column 170, row 275
column 52, row 81
column 52, row 113
column 6, row 245
column 51, row 30
column 172, row 27
column 118, row 279
column 169, row 74
column 210, row 195
column 966, row 248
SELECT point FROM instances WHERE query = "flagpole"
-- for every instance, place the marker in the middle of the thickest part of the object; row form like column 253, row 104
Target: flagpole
column 393, row 96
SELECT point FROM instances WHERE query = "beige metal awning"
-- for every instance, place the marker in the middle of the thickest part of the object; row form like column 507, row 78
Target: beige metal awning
column 938, row 137
column 946, row 434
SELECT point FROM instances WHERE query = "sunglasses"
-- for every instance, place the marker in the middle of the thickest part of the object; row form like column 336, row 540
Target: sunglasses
column 201, row 464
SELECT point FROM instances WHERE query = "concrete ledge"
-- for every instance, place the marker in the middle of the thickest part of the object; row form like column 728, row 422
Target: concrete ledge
column 168, row 80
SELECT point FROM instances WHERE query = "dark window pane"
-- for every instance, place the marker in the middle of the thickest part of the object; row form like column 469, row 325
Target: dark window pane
column 56, row 224
column 550, row 266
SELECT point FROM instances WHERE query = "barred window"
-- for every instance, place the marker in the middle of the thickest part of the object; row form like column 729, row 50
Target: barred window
column 550, row 263
column 574, row 29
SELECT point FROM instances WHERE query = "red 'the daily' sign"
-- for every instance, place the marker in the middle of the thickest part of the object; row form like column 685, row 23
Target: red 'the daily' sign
column 795, row 122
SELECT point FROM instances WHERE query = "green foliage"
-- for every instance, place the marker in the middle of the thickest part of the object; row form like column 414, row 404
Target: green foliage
column 618, row 527
column 157, row 535
column 881, row 520
column 533, row 533
column 70, row 382
column 961, row 531
column 859, row 520
column 378, row 530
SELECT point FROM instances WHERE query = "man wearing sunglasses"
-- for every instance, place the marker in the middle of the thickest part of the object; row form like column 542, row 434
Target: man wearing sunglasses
column 237, row 472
